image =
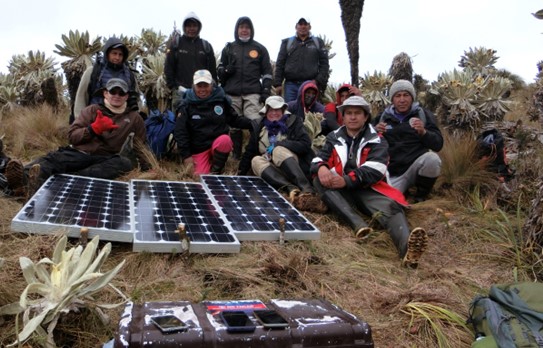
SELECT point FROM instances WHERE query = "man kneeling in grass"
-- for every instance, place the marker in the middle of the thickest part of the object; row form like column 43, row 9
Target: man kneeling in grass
column 351, row 169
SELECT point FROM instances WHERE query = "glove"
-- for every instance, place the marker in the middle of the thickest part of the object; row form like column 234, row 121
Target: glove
column 265, row 95
column 102, row 123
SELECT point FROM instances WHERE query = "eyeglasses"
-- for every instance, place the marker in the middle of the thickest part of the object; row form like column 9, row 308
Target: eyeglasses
column 117, row 91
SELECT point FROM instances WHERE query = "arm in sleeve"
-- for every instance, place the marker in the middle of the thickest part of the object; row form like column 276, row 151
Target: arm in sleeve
column 82, row 95
column 170, row 69
column 322, row 158
column 181, row 134
column 250, row 151
column 373, row 169
column 324, row 66
column 212, row 63
column 432, row 139
column 330, row 116
column 80, row 131
column 223, row 63
column 266, row 72
column 280, row 64
column 297, row 140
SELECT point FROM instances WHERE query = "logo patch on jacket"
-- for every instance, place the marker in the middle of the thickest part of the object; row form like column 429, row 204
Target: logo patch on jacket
column 218, row 110
column 196, row 117
column 253, row 54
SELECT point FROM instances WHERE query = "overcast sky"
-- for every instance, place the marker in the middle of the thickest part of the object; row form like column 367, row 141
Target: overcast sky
column 434, row 33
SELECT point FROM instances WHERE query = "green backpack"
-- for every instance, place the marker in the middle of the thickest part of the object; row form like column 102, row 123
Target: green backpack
column 510, row 316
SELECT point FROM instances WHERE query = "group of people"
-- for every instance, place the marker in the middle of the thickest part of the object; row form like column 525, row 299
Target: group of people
column 366, row 165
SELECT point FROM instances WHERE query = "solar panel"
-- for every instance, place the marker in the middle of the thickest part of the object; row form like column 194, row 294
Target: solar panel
column 253, row 209
column 160, row 206
column 71, row 202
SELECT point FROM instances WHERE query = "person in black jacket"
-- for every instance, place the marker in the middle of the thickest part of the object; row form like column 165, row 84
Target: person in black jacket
column 201, row 130
column 279, row 151
column 302, row 57
column 245, row 73
column 414, row 140
column 185, row 55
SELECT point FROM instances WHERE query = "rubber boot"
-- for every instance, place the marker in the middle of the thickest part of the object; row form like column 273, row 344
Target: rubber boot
column 424, row 186
column 16, row 178
column 237, row 138
column 218, row 162
column 278, row 181
column 292, row 169
column 337, row 203
column 416, row 246
column 398, row 229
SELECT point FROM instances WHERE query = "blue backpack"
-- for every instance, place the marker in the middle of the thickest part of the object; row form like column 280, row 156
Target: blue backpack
column 159, row 127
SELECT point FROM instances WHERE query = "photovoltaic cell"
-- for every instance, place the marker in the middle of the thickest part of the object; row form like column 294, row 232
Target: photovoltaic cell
column 160, row 206
column 67, row 202
column 253, row 208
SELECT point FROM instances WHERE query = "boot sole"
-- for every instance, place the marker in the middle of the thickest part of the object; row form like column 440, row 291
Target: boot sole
column 15, row 177
column 363, row 233
column 33, row 179
column 416, row 246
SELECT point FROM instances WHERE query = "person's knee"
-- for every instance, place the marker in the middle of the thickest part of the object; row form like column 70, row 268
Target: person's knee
column 431, row 165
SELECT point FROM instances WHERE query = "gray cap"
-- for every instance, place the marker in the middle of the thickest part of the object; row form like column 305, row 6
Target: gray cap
column 115, row 82
column 402, row 85
column 355, row 100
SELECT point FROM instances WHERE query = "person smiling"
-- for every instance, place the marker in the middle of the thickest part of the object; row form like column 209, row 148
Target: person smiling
column 99, row 140
column 351, row 169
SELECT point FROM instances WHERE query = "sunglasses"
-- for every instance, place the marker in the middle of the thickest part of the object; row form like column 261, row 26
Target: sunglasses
column 117, row 91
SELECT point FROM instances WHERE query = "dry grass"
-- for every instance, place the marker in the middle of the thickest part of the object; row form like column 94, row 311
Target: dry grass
column 363, row 278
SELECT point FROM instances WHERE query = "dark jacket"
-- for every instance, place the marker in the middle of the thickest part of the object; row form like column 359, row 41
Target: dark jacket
column 332, row 118
column 298, row 107
column 201, row 121
column 296, row 140
column 366, row 169
column 187, row 55
column 244, row 64
column 303, row 61
column 405, row 145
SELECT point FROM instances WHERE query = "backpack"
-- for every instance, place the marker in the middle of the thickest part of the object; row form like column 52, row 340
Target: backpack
column 159, row 127
column 510, row 316
column 491, row 146
column 174, row 42
column 290, row 43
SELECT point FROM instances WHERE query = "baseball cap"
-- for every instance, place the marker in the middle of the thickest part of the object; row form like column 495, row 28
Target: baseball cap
column 202, row 76
column 117, row 83
column 303, row 21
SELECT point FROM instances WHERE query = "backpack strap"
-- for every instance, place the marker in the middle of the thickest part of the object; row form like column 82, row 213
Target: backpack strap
column 291, row 48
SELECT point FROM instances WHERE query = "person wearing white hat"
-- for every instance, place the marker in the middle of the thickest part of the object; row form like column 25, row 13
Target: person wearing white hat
column 203, row 125
column 414, row 140
column 279, row 151
column 351, row 168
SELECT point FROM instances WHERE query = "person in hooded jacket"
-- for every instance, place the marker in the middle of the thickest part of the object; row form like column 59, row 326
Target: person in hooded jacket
column 279, row 151
column 185, row 55
column 202, row 127
column 245, row 73
column 306, row 101
column 112, row 64
column 332, row 118
column 350, row 171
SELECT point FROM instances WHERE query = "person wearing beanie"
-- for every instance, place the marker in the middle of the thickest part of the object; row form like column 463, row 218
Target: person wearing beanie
column 186, row 54
column 245, row 73
column 112, row 64
column 101, row 145
column 350, row 169
column 279, row 151
column 414, row 140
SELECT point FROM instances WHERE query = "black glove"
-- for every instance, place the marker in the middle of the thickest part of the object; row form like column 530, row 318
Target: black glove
column 264, row 95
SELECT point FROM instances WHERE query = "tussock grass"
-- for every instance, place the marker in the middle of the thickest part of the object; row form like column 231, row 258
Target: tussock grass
column 404, row 307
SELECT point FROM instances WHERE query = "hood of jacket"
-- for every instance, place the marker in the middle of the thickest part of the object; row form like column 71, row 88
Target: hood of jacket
column 194, row 17
column 217, row 94
column 114, row 42
column 247, row 20
column 341, row 88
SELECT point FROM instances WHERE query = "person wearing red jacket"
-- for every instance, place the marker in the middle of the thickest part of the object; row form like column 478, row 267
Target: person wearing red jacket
column 100, row 138
column 332, row 118
column 351, row 168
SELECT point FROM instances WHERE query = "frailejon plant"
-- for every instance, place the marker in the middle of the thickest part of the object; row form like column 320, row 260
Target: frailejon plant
column 58, row 286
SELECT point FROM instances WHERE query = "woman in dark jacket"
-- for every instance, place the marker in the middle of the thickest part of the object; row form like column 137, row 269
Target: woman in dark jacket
column 280, row 152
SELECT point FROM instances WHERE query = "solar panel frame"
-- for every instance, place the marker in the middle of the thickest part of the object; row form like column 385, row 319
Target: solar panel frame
column 160, row 206
column 253, row 199
column 77, row 202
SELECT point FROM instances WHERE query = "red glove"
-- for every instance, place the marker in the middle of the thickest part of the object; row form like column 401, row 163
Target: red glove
column 102, row 123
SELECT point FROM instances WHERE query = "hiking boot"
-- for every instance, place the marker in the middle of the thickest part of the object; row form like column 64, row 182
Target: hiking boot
column 309, row 202
column 15, row 177
column 416, row 246
column 33, row 179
